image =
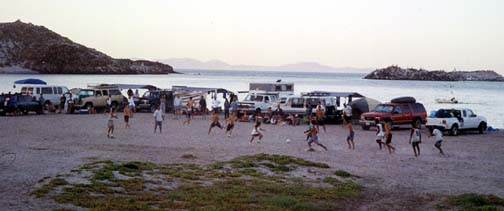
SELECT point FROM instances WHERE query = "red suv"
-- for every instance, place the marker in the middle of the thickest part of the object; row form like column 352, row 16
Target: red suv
column 403, row 110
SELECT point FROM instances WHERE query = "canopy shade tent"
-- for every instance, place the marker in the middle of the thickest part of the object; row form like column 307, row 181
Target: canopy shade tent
column 31, row 81
column 200, row 89
column 363, row 105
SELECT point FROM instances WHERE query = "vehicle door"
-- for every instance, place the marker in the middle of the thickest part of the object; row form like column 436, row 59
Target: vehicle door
column 471, row 121
column 266, row 103
column 100, row 100
column 397, row 115
column 407, row 113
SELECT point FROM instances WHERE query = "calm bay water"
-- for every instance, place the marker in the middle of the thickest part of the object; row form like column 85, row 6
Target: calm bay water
column 485, row 98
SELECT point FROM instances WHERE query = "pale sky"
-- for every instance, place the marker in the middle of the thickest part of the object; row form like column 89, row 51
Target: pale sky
column 432, row 34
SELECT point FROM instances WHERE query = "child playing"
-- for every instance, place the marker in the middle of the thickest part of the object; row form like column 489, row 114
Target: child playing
column 158, row 118
column 439, row 139
column 379, row 133
column 388, row 135
column 314, row 138
column 319, row 114
column 415, row 139
column 230, row 124
column 127, row 114
column 256, row 132
column 110, row 124
column 215, row 121
column 189, row 111
column 350, row 137
column 307, row 132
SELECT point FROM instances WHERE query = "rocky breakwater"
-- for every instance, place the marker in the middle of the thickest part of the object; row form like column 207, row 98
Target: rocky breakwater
column 27, row 48
column 398, row 73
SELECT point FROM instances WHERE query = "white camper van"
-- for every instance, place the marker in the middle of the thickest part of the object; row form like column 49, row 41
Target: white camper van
column 52, row 94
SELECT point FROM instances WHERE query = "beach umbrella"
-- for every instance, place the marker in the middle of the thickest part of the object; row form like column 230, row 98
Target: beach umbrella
column 363, row 105
column 31, row 81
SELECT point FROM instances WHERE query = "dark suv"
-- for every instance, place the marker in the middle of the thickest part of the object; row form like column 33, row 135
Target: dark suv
column 23, row 103
column 151, row 99
column 401, row 111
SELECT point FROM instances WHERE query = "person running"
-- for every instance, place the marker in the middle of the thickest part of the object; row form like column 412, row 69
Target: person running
column 189, row 111
column 203, row 107
column 177, row 103
column 110, row 124
column 127, row 114
column 230, row 124
column 379, row 133
column 158, row 118
column 388, row 135
column 439, row 139
column 319, row 114
column 131, row 104
column 256, row 132
column 215, row 121
column 314, row 138
column 227, row 106
column 307, row 132
column 415, row 139
column 350, row 137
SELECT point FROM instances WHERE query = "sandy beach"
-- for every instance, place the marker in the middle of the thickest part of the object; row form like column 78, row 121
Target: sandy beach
column 37, row 146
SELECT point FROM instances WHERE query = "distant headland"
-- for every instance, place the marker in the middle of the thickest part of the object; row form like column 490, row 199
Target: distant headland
column 27, row 48
column 398, row 73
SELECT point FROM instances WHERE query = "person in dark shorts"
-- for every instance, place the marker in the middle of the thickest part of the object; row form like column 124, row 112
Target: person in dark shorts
column 215, row 121
column 256, row 132
column 127, row 115
column 203, row 107
column 380, row 135
column 415, row 139
column 110, row 124
column 438, row 134
column 189, row 111
column 314, row 139
column 158, row 119
column 230, row 124
column 388, row 135
column 319, row 115
column 350, row 137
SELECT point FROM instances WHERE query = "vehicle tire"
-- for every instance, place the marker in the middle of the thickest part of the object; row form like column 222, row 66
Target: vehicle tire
column 482, row 127
column 418, row 122
column 25, row 112
column 454, row 130
column 365, row 127
column 88, row 106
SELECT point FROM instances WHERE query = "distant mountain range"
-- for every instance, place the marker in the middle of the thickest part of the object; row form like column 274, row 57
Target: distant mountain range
column 28, row 48
column 188, row 63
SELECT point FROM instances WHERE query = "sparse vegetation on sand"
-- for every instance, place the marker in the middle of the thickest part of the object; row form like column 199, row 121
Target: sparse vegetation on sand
column 472, row 202
column 255, row 182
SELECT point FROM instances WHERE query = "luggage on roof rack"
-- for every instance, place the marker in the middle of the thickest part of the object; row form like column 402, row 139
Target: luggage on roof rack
column 403, row 100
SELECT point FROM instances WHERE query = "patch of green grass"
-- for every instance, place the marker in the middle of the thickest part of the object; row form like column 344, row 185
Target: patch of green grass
column 238, row 184
column 45, row 189
column 341, row 173
column 476, row 202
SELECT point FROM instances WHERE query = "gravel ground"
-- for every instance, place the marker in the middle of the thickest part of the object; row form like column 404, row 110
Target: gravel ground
column 33, row 147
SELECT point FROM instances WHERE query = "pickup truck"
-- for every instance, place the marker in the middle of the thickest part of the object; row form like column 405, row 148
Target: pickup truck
column 455, row 120
column 402, row 111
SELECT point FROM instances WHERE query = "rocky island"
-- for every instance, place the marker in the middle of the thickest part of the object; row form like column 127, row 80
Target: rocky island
column 27, row 48
column 398, row 73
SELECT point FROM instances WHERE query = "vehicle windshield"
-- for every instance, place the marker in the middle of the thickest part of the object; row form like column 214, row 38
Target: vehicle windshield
column 384, row 108
column 86, row 93
column 254, row 98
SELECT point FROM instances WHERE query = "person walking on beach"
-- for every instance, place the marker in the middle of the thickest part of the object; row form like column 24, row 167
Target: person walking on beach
column 162, row 104
column 127, row 114
column 109, row 103
column 319, row 114
column 189, row 111
column 314, row 138
column 215, row 105
column 230, row 124
column 307, row 132
column 110, row 124
column 158, row 118
column 347, row 113
column 177, row 103
column 388, row 135
column 131, row 104
column 350, row 137
column 203, row 107
column 70, row 105
column 309, row 109
column 415, row 139
column 256, row 132
column 439, row 139
column 215, row 121
column 379, row 133
column 234, row 106
column 227, row 106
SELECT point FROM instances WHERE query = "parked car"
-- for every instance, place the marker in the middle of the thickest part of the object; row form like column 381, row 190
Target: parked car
column 19, row 103
column 455, row 120
column 151, row 99
column 51, row 94
column 258, row 102
column 402, row 111
column 96, row 97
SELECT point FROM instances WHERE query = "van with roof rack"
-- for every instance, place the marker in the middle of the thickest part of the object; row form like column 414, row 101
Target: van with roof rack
column 95, row 96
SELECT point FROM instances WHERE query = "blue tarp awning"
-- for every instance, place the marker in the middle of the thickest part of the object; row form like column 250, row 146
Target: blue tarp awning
column 31, row 81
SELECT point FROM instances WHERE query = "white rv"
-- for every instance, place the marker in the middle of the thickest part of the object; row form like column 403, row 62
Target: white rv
column 51, row 94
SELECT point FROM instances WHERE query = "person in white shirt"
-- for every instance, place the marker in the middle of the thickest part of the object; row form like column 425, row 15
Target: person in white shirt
column 177, row 103
column 256, row 132
column 158, row 118
column 415, row 139
column 379, row 133
column 215, row 105
column 347, row 113
column 131, row 104
column 439, row 139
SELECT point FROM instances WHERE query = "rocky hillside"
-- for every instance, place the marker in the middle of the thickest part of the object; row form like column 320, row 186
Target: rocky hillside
column 27, row 47
column 398, row 73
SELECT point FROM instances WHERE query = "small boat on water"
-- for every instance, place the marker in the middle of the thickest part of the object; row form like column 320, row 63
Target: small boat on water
column 447, row 101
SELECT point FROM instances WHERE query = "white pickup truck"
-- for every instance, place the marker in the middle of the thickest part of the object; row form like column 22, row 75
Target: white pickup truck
column 455, row 120
column 258, row 102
